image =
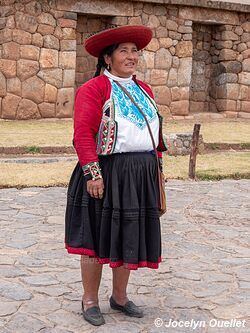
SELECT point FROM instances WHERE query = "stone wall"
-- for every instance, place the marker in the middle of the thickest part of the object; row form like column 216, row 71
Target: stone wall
column 196, row 61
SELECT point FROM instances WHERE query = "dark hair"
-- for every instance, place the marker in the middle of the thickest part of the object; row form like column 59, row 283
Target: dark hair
column 101, row 62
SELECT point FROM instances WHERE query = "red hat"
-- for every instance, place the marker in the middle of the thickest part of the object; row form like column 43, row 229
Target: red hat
column 137, row 34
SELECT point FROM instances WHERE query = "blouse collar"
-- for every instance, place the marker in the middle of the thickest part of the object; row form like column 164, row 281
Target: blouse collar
column 117, row 78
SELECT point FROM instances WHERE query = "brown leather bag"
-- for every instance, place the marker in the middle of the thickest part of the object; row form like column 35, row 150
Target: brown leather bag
column 161, row 177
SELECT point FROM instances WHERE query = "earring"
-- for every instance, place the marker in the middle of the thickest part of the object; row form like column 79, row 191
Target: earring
column 108, row 68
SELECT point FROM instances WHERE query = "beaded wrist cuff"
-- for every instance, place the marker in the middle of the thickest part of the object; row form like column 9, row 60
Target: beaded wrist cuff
column 92, row 169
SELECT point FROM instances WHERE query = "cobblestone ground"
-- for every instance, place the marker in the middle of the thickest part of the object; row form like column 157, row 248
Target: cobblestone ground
column 205, row 274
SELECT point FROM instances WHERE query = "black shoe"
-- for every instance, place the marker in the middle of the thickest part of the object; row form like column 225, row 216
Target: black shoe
column 130, row 309
column 93, row 315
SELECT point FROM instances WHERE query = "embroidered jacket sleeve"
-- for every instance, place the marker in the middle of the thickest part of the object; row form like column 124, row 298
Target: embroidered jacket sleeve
column 87, row 117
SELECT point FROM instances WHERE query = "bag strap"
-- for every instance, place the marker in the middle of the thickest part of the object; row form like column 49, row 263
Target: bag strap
column 145, row 118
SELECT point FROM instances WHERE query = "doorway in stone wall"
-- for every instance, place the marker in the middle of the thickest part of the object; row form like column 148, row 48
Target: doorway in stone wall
column 86, row 64
column 204, row 64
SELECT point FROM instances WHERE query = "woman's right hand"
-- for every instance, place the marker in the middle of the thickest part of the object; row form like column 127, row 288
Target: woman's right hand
column 95, row 188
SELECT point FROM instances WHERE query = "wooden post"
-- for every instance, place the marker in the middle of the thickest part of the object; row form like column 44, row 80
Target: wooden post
column 194, row 151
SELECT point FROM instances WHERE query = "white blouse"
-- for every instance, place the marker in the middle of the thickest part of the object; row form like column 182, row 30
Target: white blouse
column 132, row 134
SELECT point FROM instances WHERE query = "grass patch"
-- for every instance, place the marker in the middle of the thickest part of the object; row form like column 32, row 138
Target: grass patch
column 39, row 133
column 59, row 132
column 214, row 166
column 33, row 150
column 219, row 131
column 209, row 167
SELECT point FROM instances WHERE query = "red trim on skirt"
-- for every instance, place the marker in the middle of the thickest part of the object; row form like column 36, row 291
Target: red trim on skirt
column 112, row 264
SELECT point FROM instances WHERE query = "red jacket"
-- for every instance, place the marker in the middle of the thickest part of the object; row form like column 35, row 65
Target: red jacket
column 88, row 112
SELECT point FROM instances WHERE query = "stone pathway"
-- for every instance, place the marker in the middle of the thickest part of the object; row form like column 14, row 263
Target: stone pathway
column 203, row 282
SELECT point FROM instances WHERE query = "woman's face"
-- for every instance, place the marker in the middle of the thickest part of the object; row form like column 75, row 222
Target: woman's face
column 124, row 59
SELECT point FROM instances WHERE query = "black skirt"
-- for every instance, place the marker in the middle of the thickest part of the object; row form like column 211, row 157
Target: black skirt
column 123, row 228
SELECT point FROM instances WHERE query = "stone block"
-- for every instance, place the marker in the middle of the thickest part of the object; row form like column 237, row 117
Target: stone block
column 174, row 35
column 26, row 22
column 209, row 16
column 29, row 52
column 14, row 86
column 48, row 58
column 153, row 22
column 11, row 51
column 51, row 42
column 238, row 30
column 149, row 58
column 180, row 108
column 69, row 77
column 33, row 8
column 158, row 77
column 201, row 55
column 196, row 107
column 3, row 85
column 22, row 37
column 227, row 44
column 245, row 37
column 244, row 92
column 45, row 29
column 47, row 110
column 68, row 45
column 69, row 33
column 199, row 96
column 227, row 55
column 198, row 67
column 66, row 23
column 246, row 26
column 50, row 94
column 37, row 40
column 8, row 68
column 3, row 22
column 33, row 89
column 165, row 42
column 10, row 23
column 180, row 93
column 162, row 95
column 65, row 103
column 184, row 72
column 242, row 47
column 244, row 78
column 67, row 60
column 232, row 91
column 244, row 115
column 184, row 49
column 46, row 18
column 27, row 110
column 225, row 105
column 153, row 45
column 231, row 114
column 185, row 29
column 172, row 77
column 229, row 35
column 51, row 76
column 245, row 106
column 246, row 54
column 135, row 21
column 246, row 65
column 5, row 36
column 9, row 106
column 162, row 32
column 164, row 110
column 171, row 25
column 27, row 68
column 230, row 67
column 1, row 107
column 58, row 33
column 226, row 78
column 163, row 59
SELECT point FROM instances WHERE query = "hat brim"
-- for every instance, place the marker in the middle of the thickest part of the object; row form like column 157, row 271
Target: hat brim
column 137, row 34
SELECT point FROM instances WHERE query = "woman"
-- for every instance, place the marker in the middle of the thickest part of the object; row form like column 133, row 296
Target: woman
column 112, row 211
